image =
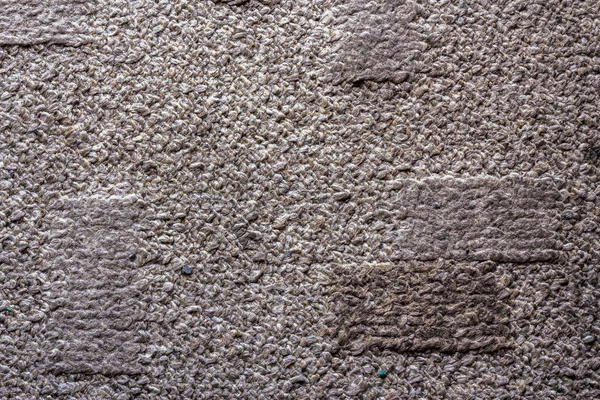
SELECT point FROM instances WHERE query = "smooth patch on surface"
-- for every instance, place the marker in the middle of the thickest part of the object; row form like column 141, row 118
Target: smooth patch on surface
column 382, row 40
column 30, row 22
column 474, row 219
column 98, row 306
column 443, row 306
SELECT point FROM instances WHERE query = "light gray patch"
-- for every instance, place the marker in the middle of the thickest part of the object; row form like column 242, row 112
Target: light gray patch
column 97, row 307
column 382, row 40
column 30, row 22
column 417, row 307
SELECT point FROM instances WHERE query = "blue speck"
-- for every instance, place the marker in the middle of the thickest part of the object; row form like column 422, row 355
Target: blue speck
column 186, row 270
column 382, row 374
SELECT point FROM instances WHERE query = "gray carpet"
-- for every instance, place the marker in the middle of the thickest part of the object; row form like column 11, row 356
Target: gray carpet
column 299, row 199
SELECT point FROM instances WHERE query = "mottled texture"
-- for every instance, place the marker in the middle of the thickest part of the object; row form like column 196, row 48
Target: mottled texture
column 324, row 167
column 97, row 304
column 392, row 40
column 508, row 220
column 238, row 2
column 29, row 22
column 419, row 307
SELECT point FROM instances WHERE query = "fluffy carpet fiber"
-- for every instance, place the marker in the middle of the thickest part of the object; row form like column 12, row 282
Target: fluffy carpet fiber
column 299, row 199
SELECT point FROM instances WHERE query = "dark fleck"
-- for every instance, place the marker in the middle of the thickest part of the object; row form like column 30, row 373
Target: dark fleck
column 568, row 216
column 186, row 269
column 132, row 257
column 436, row 205
column 594, row 154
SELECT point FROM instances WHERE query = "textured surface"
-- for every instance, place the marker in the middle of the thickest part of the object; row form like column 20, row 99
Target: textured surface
column 28, row 22
column 407, row 186
column 97, row 304
column 462, row 219
column 421, row 307
column 392, row 39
